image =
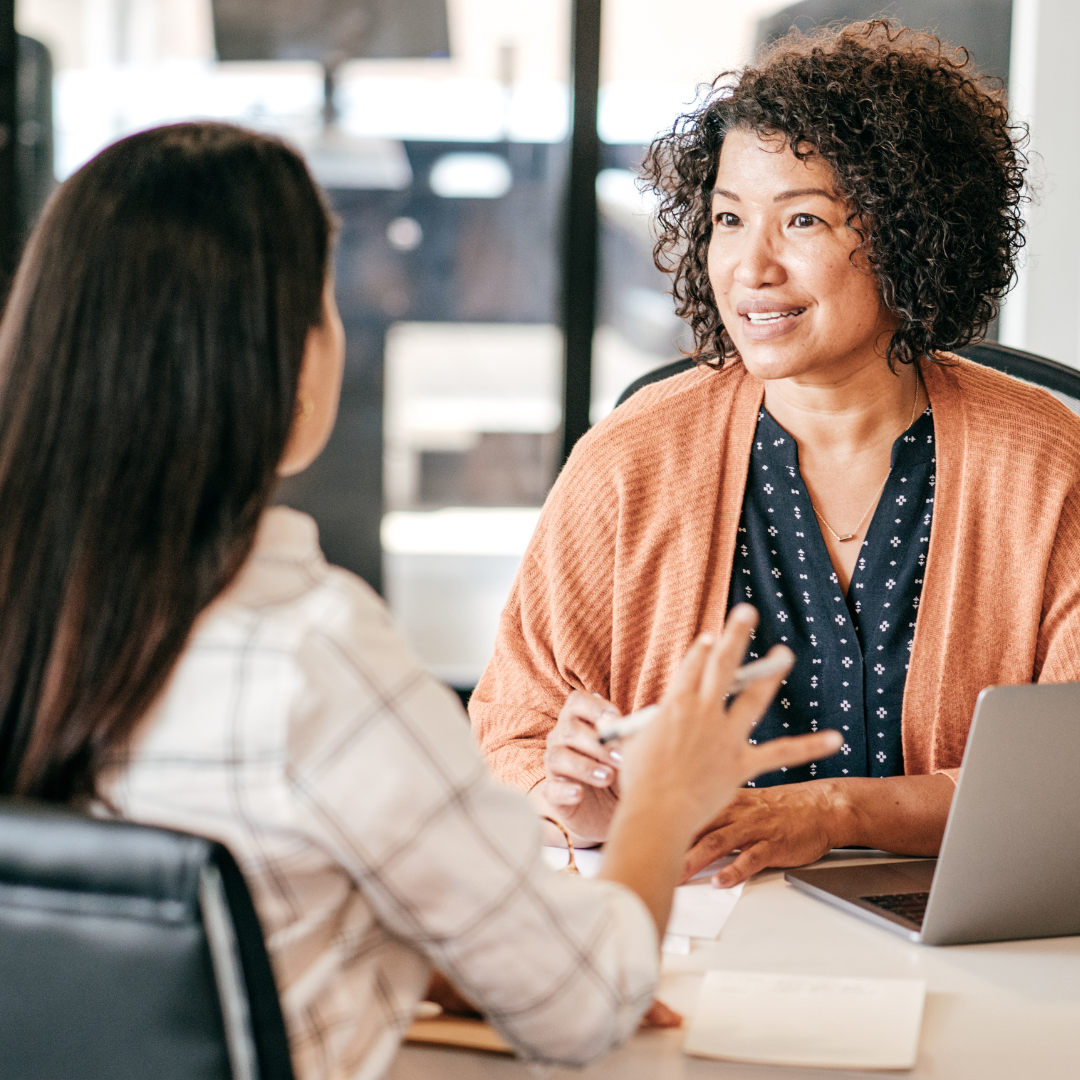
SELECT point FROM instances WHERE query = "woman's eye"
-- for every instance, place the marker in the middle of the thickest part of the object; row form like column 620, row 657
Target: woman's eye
column 803, row 221
column 727, row 220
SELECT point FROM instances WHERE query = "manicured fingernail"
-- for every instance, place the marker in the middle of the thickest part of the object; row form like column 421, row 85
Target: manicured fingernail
column 706, row 639
column 720, row 881
column 600, row 774
column 573, row 794
column 744, row 613
column 610, row 713
column 615, row 756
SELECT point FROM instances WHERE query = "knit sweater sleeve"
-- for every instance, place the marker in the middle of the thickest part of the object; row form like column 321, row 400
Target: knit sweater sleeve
column 1057, row 657
column 555, row 632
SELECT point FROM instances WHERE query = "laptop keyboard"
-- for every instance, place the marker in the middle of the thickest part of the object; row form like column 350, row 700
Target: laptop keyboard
column 909, row 905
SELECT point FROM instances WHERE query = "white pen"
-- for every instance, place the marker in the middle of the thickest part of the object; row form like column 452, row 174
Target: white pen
column 748, row 673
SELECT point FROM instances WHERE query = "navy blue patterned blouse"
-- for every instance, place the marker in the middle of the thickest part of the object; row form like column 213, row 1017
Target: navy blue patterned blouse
column 851, row 651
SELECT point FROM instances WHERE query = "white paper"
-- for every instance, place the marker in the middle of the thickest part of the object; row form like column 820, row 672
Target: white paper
column 675, row 945
column 808, row 1020
column 700, row 911
column 697, row 910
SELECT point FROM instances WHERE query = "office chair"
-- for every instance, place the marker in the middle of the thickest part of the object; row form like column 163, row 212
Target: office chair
column 1059, row 379
column 129, row 953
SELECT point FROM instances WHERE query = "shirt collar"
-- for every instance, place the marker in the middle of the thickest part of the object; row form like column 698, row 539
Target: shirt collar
column 912, row 447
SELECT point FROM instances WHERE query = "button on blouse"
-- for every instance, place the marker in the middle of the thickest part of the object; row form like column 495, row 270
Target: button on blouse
column 851, row 651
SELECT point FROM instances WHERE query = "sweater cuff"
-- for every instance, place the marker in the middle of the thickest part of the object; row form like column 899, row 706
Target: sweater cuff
column 520, row 767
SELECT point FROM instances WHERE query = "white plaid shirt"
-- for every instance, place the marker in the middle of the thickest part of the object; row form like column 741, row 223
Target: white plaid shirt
column 298, row 730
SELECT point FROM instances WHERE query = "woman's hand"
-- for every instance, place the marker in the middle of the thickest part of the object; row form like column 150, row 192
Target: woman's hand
column 580, row 787
column 659, row 1015
column 788, row 825
column 697, row 749
column 795, row 824
column 679, row 772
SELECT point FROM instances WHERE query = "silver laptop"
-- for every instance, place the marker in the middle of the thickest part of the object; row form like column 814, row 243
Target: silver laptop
column 1009, row 865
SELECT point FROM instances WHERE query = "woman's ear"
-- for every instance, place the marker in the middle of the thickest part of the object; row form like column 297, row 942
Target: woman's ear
column 317, row 389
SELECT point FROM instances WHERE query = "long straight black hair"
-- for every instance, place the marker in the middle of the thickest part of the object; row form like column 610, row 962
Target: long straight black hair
column 149, row 358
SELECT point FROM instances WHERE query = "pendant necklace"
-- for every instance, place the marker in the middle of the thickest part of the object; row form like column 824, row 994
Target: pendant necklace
column 854, row 532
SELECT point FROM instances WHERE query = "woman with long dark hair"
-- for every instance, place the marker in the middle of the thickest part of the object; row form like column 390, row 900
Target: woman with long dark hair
column 174, row 651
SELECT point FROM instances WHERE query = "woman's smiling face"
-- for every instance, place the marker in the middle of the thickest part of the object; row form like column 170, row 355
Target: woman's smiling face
column 790, row 294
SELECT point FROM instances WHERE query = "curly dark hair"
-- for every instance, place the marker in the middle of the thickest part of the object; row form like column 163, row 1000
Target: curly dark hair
column 919, row 143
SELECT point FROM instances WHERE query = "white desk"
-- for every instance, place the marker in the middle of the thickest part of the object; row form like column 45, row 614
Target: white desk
column 1007, row 1011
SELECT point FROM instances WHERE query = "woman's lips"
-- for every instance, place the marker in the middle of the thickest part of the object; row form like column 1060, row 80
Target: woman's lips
column 768, row 325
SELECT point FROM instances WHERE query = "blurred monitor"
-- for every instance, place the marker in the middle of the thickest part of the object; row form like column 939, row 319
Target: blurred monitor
column 329, row 31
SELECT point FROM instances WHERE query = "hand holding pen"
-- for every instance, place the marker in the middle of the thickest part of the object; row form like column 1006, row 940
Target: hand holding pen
column 583, row 753
column 685, row 766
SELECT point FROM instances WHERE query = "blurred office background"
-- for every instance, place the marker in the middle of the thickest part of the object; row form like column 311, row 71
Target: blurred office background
column 443, row 132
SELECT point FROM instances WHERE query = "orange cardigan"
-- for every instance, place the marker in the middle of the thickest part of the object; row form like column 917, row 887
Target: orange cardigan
column 632, row 559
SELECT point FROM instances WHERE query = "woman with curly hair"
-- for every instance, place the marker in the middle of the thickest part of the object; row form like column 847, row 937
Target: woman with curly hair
column 836, row 218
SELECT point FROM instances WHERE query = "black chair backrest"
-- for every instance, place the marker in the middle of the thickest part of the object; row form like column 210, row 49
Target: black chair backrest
column 1055, row 377
column 1059, row 379
column 129, row 953
column 676, row 367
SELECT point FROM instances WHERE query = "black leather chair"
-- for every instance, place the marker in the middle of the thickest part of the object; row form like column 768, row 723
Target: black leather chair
column 1058, row 378
column 129, row 953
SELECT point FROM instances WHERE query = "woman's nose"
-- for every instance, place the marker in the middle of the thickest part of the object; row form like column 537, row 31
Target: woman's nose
column 759, row 262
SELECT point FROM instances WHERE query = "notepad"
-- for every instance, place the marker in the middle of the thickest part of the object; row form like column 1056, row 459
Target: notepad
column 461, row 1031
column 807, row 1020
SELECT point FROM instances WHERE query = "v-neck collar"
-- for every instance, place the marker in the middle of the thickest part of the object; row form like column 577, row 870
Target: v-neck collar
column 913, row 447
column 852, row 651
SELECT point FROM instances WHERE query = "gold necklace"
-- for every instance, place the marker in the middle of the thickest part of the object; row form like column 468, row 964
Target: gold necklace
column 851, row 535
